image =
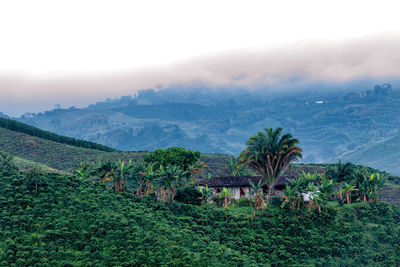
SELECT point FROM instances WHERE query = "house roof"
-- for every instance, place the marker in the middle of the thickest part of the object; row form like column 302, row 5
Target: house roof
column 237, row 181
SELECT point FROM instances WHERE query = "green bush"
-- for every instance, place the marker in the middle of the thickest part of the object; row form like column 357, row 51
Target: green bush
column 244, row 202
column 189, row 195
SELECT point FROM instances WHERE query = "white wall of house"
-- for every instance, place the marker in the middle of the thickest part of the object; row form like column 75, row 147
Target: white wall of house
column 236, row 191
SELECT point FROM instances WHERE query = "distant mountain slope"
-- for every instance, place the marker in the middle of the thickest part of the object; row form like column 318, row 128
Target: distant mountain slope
column 384, row 154
column 327, row 123
column 33, row 131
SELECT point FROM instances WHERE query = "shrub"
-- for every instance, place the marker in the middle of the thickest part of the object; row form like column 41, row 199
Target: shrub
column 189, row 195
column 244, row 202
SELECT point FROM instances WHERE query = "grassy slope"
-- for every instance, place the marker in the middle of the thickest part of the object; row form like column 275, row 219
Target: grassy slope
column 65, row 157
column 55, row 155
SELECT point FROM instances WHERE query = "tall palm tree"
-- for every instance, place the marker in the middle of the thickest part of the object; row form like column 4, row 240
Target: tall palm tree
column 269, row 154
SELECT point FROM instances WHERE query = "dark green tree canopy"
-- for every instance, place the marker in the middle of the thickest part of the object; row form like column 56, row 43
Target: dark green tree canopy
column 173, row 156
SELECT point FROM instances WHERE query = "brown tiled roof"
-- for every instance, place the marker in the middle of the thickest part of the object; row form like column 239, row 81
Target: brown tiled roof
column 236, row 181
column 230, row 181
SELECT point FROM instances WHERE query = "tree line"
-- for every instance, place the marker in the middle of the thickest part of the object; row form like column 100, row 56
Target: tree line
column 33, row 131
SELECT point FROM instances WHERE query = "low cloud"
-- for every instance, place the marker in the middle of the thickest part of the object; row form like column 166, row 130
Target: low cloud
column 369, row 58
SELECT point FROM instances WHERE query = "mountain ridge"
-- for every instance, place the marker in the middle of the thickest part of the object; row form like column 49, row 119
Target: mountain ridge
column 328, row 124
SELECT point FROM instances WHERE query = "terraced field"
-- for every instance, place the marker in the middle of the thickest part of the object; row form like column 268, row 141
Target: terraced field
column 55, row 155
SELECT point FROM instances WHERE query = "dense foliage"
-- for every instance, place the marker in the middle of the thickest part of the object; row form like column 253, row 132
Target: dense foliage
column 33, row 131
column 173, row 156
column 50, row 219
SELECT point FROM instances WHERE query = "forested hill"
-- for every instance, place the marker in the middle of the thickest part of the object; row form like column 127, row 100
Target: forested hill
column 58, row 220
column 33, row 131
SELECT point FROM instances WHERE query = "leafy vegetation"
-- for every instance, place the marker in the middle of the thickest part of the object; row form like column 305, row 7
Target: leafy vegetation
column 53, row 219
column 269, row 154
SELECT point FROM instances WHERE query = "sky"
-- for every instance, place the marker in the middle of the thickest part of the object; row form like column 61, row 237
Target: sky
column 75, row 53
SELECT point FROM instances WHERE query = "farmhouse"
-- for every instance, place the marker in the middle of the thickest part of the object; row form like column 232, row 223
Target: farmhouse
column 240, row 185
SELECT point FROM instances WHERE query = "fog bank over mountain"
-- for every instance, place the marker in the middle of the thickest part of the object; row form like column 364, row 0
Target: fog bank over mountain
column 294, row 67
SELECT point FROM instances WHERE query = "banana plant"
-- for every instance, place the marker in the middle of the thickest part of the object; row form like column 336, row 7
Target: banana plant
column 347, row 189
column 84, row 171
column 120, row 173
column 256, row 192
column 206, row 193
column 226, row 194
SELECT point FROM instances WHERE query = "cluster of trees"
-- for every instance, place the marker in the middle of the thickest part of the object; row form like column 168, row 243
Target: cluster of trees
column 53, row 219
column 269, row 154
column 160, row 174
column 33, row 131
column 357, row 182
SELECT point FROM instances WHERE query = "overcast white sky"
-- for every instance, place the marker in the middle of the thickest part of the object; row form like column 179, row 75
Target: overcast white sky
column 54, row 51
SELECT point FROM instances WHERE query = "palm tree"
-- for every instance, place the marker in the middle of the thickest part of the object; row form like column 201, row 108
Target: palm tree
column 120, row 174
column 291, row 196
column 326, row 187
column 170, row 178
column 104, row 170
column 269, row 154
column 206, row 193
column 195, row 170
column 256, row 191
column 364, row 189
column 341, row 172
column 312, row 194
column 236, row 168
column 135, row 177
column 377, row 182
column 148, row 175
column 225, row 194
column 347, row 189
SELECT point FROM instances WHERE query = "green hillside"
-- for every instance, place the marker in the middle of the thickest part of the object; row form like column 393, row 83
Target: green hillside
column 384, row 155
column 53, row 154
column 33, row 131
column 57, row 220
column 66, row 157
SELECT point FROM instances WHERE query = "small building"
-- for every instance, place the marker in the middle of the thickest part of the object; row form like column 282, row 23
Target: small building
column 239, row 185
